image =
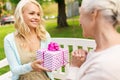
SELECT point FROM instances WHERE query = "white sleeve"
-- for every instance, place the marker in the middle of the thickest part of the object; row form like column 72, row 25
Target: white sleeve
column 97, row 74
column 94, row 72
column 15, row 66
column 72, row 72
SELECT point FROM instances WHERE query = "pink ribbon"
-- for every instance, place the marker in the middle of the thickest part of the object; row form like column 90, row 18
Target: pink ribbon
column 53, row 46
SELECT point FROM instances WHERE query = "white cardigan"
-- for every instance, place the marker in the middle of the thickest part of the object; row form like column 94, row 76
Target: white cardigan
column 13, row 57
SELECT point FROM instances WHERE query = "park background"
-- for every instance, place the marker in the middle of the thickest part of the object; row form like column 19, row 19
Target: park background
column 61, row 20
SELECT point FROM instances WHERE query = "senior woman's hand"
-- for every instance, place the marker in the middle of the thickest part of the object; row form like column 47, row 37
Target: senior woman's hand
column 78, row 57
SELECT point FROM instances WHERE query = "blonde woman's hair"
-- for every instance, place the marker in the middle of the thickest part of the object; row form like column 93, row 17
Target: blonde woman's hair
column 110, row 9
column 21, row 27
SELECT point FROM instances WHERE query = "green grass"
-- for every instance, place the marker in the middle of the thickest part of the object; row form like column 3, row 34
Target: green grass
column 74, row 30
column 4, row 30
column 4, row 70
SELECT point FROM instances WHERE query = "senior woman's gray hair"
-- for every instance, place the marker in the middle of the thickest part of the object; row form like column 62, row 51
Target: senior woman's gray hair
column 110, row 9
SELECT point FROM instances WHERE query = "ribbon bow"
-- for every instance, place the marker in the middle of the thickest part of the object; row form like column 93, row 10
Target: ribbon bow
column 53, row 46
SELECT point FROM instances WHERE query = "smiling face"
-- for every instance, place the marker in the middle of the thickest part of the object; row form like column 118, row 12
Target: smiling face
column 31, row 15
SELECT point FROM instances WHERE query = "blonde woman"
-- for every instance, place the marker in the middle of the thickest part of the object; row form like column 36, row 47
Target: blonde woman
column 21, row 45
column 98, row 19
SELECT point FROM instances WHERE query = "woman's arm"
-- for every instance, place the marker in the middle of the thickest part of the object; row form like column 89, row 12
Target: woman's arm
column 12, row 58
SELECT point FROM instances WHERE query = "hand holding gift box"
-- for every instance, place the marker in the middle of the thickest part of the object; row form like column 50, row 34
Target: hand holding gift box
column 54, row 57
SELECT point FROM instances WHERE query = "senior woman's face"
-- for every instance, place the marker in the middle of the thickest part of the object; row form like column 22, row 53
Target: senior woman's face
column 31, row 15
column 85, row 21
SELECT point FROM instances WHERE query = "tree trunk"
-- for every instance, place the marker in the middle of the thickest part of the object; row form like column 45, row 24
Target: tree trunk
column 62, row 19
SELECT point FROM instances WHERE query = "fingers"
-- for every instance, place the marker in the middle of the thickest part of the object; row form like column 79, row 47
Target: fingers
column 44, row 69
column 79, row 53
column 36, row 65
column 39, row 61
column 78, row 57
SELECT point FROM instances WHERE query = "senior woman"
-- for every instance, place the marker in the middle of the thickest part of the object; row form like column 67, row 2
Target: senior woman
column 98, row 19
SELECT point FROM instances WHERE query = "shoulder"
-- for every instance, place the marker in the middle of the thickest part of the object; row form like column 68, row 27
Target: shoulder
column 9, row 36
column 44, row 43
column 47, row 35
column 104, row 60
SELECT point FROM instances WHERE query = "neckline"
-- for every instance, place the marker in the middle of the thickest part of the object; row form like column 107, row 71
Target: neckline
column 107, row 49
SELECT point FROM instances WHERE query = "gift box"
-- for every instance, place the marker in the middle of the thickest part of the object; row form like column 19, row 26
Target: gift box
column 54, row 57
